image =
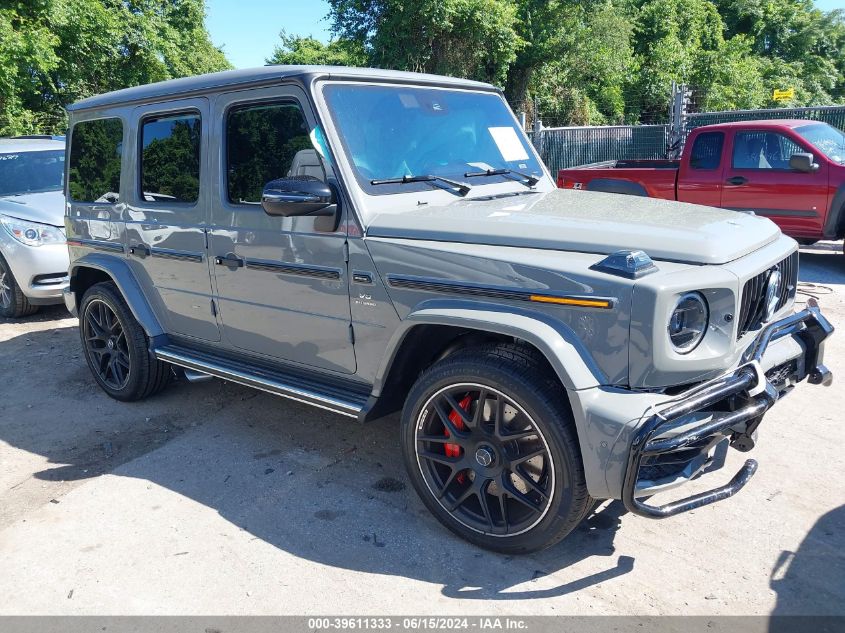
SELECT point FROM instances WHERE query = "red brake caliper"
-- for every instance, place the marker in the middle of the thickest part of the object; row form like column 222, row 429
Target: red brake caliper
column 454, row 450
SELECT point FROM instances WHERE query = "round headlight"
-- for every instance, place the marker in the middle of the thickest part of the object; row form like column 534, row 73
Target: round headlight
column 688, row 322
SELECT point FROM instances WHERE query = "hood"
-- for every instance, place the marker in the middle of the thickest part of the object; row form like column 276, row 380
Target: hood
column 47, row 207
column 586, row 222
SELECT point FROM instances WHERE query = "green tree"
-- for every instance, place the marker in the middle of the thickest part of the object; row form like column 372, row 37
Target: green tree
column 55, row 52
column 476, row 39
column 307, row 50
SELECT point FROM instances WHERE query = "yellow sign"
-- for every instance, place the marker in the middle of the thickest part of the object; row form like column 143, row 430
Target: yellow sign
column 783, row 95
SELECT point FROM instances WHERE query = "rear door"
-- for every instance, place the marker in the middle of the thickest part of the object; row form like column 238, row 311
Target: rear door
column 282, row 283
column 758, row 178
column 166, row 216
column 700, row 176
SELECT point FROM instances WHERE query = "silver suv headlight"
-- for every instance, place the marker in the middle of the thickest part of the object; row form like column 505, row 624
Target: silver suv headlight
column 32, row 233
column 688, row 322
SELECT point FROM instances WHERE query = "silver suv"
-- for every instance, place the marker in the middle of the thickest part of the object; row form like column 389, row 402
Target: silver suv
column 369, row 241
column 33, row 255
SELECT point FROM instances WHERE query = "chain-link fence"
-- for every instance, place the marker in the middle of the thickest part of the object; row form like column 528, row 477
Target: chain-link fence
column 833, row 115
column 570, row 146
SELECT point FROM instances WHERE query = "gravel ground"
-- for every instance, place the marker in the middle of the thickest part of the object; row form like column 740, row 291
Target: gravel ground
column 216, row 499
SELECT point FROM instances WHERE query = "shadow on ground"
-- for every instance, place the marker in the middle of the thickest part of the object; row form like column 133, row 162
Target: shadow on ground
column 311, row 483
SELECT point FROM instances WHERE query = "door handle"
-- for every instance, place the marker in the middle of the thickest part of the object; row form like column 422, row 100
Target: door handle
column 230, row 260
column 737, row 180
column 141, row 250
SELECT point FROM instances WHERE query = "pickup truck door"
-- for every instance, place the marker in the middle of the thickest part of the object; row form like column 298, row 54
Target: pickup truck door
column 281, row 282
column 700, row 174
column 758, row 178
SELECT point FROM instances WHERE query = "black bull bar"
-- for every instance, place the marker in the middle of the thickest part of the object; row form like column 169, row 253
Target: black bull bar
column 810, row 327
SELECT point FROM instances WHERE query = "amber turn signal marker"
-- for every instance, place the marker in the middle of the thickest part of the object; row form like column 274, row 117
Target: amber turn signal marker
column 567, row 301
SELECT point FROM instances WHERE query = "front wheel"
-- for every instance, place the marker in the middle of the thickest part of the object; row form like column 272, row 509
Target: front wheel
column 13, row 302
column 490, row 445
column 116, row 347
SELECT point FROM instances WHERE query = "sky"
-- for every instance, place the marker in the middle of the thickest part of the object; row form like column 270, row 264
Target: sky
column 248, row 30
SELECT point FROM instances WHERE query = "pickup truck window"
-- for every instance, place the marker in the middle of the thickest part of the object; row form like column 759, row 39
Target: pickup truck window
column 170, row 158
column 825, row 138
column 763, row 150
column 390, row 132
column 265, row 142
column 707, row 150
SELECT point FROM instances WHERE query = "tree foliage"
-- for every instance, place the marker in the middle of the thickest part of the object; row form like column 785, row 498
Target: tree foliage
column 54, row 52
column 598, row 61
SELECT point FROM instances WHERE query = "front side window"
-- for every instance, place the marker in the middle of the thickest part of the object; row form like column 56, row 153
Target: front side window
column 265, row 142
column 31, row 172
column 707, row 150
column 170, row 158
column 94, row 167
column 825, row 138
column 394, row 131
column 763, row 150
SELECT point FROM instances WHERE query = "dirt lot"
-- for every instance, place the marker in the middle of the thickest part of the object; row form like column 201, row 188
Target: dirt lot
column 215, row 499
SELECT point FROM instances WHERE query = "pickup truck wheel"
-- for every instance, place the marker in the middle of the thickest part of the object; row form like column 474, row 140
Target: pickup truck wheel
column 13, row 302
column 490, row 445
column 116, row 346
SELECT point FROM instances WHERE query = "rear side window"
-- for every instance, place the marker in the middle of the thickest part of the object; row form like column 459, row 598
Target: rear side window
column 170, row 158
column 94, row 162
column 707, row 151
column 266, row 142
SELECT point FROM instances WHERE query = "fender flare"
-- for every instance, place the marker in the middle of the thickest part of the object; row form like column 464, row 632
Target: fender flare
column 123, row 277
column 613, row 185
column 835, row 215
column 568, row 357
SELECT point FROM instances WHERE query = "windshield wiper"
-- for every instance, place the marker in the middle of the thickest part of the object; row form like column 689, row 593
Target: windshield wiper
column 525, row 179
column 463, row 188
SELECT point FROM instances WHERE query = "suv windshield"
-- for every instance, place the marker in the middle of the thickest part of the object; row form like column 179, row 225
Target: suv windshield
column 390, row 132
column 825, row 138
column 31, row 172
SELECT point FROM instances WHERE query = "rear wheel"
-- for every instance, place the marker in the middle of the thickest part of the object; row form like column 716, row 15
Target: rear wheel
column 13, row 302
column 116, row 346
column 490, row 446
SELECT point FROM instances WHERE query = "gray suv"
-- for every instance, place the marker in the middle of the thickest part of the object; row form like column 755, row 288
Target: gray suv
column 369, row 241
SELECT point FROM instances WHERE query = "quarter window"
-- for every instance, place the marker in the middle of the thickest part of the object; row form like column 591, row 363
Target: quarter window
column 266, row 142
column 170, row 158
column 94, row 162
column 763, row 150
column 707, row 150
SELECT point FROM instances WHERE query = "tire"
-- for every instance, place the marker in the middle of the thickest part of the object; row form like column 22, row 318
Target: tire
column 116, row 347
column 13, row 302
column 453, row 455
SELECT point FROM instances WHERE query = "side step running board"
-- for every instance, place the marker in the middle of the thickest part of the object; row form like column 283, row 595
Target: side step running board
column 287, row 386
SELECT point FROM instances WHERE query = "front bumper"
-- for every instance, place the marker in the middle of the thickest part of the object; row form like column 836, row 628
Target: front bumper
column 735, row 404
column 40, row 271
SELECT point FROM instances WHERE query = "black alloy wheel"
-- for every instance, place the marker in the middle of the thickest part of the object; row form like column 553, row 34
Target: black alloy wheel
column 106, row 344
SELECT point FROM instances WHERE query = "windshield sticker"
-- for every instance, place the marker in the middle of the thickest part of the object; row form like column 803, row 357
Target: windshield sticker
column 508, row 143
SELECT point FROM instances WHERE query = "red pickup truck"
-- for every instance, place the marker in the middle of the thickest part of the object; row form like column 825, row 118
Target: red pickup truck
column 792, row 171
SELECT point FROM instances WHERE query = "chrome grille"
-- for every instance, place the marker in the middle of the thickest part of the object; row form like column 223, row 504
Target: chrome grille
column 752, row 308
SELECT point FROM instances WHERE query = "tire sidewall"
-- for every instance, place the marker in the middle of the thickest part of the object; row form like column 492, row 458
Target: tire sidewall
column 105, row 293
column 550, row 418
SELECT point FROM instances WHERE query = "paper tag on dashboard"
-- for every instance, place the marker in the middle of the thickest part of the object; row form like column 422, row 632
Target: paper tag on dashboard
column 508, row 143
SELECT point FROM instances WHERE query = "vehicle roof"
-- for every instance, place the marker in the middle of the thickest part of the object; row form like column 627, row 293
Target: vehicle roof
column 264, row 75
column 12, row 144
column 763, row 123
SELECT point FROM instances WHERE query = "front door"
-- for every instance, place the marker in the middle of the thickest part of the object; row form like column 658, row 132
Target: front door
column 282, row 284
column 166, row 217
column 758, row 178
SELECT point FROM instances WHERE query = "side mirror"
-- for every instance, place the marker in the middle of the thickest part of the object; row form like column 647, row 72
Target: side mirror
column 803, row 161
column 297, row 196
